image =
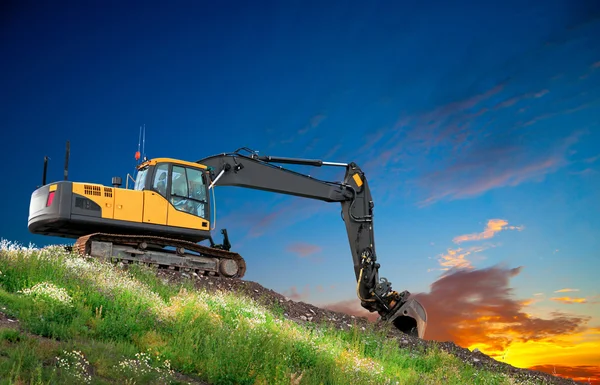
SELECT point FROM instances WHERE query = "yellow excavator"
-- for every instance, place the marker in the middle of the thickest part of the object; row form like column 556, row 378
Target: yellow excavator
column 163, row 218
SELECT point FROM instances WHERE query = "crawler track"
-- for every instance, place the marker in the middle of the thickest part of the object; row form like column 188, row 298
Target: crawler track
column 150, row 250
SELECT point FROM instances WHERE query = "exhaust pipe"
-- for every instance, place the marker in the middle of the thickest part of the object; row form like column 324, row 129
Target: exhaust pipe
column 45, row 170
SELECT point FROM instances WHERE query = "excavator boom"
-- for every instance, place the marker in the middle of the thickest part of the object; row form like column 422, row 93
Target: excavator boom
column 353, row 193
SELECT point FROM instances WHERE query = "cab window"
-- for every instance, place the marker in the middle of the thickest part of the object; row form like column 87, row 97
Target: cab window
column 140, row 180
column 160, row 179
column 188, row 191
column 197, row 188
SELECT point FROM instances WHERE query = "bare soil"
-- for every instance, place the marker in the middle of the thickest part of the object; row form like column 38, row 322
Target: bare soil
column 302, row 312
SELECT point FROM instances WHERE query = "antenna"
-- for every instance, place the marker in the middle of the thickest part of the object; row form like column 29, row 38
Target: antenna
column 137, row 154
column 144, row 143
column 67, row 160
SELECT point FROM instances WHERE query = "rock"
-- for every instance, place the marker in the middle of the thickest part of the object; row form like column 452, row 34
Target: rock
column 303, row 318
column 475, row 350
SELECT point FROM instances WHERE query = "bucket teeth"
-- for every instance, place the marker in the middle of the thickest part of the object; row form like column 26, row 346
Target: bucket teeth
column 409, row 317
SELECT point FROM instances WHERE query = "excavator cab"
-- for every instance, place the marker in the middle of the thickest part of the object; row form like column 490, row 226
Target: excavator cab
column 169, row 198
column 183, row 184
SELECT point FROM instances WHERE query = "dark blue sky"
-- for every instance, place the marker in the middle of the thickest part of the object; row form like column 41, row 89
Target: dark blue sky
column 469, row 118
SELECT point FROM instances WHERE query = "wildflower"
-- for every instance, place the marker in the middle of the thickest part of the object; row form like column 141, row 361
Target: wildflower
column 47, row 290
column 141, row 366
column 74, row 364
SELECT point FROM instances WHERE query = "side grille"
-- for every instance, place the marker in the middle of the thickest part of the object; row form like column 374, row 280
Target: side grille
column 107, row 192
column 92, row 190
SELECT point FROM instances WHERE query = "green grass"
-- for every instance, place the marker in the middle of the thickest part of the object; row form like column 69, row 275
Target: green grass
column 84, row 321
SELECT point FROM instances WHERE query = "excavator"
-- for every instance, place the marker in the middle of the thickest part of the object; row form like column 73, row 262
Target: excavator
column 164, row 217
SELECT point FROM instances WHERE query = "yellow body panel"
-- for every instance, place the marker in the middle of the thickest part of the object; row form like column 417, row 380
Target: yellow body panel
column 129, row 205
column 155, row 208
column 153, row 162
column 182, row 219
column 99, row 194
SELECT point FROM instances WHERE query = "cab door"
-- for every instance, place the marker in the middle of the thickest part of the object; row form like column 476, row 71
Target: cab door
column 188, row 205
column 155, row 201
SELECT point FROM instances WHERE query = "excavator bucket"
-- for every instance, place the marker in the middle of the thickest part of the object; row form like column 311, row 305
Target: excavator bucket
column 410, row 318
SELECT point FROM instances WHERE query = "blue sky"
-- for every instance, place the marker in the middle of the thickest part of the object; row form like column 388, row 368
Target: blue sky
column 469, row 119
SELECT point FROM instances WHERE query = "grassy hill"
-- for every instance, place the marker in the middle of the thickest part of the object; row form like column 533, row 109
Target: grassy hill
column 66, row 319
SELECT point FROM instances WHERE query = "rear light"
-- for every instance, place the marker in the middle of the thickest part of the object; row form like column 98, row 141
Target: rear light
column 50, row 198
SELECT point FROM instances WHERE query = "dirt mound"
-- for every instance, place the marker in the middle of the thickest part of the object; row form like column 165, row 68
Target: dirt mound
column 302, row 312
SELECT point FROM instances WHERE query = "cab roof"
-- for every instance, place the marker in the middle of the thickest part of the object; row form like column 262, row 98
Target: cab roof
column 154, row 161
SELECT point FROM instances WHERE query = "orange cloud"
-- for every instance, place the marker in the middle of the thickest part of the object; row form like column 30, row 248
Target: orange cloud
column 569, row 300
column 303, row 249
column 456, row 258
column 476, row 307
column 566, row 290
column 493, row 226
column 586, row 374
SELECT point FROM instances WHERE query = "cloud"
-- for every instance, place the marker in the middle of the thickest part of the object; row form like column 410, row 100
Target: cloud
column 499, row 163
column 456, row 258
column 587, row 374
column 592, row 159
column 303, row 249
column 314, row 122
column 265, row 217
column 569, row 300
column 516, row 99
column 476, row 143
column 476, row 306
column 585, row 172
column 565, row 290
column 293, row 294
column 493, row 226
column 351, row 307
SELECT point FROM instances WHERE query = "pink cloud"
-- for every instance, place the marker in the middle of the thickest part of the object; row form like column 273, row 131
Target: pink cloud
column 303, row 249
column 293, row 293
column 351, row 307
column 456, row 183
